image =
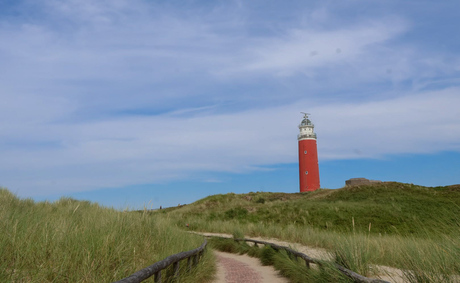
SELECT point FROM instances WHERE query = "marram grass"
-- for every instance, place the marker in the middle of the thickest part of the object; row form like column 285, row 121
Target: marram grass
column 79, row 241
column 413, row 228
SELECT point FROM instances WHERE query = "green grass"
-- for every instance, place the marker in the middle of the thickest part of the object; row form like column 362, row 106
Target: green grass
column 410, row 227
column 431, row 262
column 422, row 260
column 390, row 208
column 354, row 253
column 400, row 225
column 79, row 241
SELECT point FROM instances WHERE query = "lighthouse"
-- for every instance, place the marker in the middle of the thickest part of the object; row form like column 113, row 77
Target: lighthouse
column 308, row 156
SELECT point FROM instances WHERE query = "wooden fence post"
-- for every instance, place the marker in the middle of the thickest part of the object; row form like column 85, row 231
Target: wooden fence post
column 176, row 269
column 189, row 262
column 158, row 277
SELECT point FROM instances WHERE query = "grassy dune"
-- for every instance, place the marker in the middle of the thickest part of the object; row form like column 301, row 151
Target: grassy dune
column 401, row 225
column 389, row 208
column 410, row 227
column 79, row 241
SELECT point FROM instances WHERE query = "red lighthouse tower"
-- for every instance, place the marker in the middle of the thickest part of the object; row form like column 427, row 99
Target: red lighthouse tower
column 308, row 156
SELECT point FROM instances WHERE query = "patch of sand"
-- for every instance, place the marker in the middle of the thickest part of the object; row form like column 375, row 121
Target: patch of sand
column 266, row 273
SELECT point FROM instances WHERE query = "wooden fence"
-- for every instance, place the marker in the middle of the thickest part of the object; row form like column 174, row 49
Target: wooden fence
column 192, row 256
column 351, row 274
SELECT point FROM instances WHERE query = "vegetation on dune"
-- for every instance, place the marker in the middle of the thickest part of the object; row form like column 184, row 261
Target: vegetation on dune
column 411, row 227
column 388, row 208
column 79, row 241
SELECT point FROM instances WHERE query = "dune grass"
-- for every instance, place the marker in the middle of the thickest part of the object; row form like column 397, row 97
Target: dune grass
column 414, row 228
column 422, row 259
column 79, row 241
column 390, row 208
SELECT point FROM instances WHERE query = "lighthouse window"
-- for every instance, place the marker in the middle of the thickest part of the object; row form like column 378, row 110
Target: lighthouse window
column 305, row 152
column 306, row 172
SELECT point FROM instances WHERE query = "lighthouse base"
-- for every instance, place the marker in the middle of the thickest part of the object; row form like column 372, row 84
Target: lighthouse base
column 308, row 165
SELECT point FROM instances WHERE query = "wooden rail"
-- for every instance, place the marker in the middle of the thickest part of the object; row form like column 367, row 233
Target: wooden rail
column 192, row 256
column 351, row 274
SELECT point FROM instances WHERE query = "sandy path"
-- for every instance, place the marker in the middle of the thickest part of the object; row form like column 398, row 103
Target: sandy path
column 233, row 268
column 317, row 253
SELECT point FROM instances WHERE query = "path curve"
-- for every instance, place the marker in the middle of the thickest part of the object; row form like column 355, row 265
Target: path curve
column 233, row 268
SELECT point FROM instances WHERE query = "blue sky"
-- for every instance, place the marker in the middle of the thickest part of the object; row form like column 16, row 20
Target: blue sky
column 133, row 103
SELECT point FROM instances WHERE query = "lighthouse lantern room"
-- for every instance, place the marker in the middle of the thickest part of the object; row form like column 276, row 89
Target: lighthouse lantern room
column 308, row 156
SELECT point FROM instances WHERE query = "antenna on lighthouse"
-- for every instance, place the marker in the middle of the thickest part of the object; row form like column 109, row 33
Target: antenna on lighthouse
column 305, row 114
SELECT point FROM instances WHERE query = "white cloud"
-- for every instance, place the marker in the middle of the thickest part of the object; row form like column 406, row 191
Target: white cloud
column 426, row 122
column 219, row 96
column 124, row 151
column 305, row 48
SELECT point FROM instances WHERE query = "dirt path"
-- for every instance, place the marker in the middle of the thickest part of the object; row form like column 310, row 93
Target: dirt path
column 232, row 268
column 386, row 273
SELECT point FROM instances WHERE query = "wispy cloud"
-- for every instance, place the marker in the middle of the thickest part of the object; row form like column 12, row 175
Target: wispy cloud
column 115, row 93
column 303, row 49
column 119, row 152
column 425, row 122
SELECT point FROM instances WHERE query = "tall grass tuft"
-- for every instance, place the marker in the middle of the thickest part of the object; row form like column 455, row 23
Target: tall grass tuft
column 79, row 241
column 434, row 262
column 297, row 272
column 353, row 252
